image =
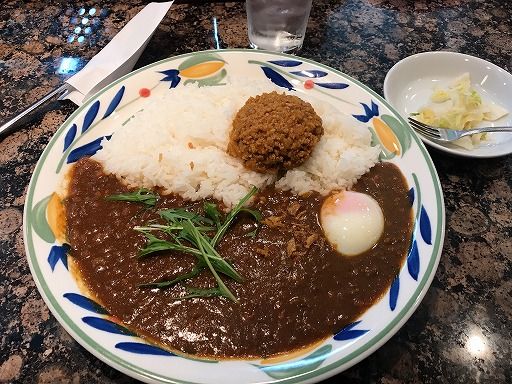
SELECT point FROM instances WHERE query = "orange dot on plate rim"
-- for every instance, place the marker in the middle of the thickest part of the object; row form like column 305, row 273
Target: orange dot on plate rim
column 144, row 92
column 308, row 84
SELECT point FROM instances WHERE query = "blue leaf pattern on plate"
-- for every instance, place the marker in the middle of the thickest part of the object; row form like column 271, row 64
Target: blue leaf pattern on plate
column 88, row 149
column 85, row 303
column 393, row 293
column 410, row 195
column 70, row 136
column 375, row 109
column 286, row 63
column 90, row 115
column 172, row 76
column 115, row 102
column 311, row 73
column 362, row 118
column 58, row 252
column 332, row 85
column 143, row 349
column 370, row 111
column 106, row 325
column 347, row 333
column 276, row 78
column 413, row 261
column 425, row 229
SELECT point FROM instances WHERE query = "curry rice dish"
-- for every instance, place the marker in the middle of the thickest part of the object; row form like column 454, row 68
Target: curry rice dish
column 241, row 280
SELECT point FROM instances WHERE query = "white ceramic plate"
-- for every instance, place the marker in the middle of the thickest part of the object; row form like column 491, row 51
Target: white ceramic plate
column 409, row 84
column 81, row 135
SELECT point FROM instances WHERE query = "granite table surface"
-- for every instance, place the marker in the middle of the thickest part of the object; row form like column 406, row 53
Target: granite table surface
column 461, row 332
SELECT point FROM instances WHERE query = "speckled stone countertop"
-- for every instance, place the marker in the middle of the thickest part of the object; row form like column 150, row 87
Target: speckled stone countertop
column 461, row 332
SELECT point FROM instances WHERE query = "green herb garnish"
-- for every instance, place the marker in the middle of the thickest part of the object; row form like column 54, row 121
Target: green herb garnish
column 176, row 214
column 143, row 195
column 164, row 284
column 201, row 243
column 212, row 211
column 232, row 214
column 253, row 233
column 198, row 292
column 190, row 232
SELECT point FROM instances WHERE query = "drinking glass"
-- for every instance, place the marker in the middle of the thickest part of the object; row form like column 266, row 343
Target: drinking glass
column 277, row 25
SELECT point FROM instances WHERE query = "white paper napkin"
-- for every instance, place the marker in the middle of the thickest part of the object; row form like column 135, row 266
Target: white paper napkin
column 119, row 56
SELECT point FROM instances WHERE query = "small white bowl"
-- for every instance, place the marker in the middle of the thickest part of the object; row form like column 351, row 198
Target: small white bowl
column 409, row 84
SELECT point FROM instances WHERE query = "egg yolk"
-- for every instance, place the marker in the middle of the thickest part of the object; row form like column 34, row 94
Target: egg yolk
column 352, row 222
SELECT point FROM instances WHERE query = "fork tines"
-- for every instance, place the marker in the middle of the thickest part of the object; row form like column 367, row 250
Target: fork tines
column 424, row 129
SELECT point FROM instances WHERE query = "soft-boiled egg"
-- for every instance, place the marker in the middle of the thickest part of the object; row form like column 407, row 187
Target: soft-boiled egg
column 352, row 222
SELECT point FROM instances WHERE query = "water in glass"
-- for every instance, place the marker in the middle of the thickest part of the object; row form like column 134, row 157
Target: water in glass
column 277, row 25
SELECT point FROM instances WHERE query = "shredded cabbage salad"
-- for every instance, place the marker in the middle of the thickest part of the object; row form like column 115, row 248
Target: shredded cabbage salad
column 458, row 106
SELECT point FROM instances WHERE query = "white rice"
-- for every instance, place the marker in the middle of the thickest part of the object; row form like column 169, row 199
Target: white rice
column 178, row 142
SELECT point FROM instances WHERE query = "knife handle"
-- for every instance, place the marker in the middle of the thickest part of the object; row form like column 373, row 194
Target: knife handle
column 14, row 123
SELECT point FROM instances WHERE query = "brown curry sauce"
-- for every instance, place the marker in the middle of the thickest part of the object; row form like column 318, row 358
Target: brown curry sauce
column 297, row 289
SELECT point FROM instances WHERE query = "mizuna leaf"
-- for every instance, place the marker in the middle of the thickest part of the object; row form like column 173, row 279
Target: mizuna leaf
column 253, row 212
column 212, row 211
column 142, row 195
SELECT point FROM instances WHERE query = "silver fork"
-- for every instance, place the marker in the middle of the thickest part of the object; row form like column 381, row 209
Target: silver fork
column 442, row 134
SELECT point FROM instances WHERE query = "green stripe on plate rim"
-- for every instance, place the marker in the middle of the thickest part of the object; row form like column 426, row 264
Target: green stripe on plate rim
column 124, row 365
